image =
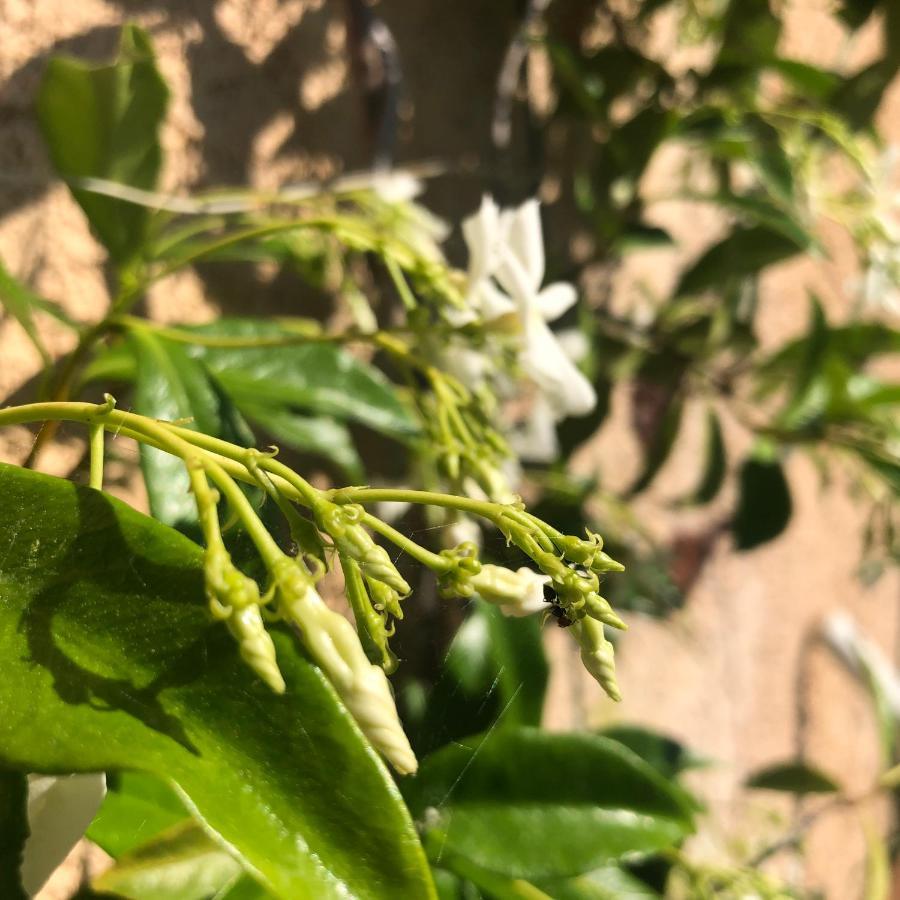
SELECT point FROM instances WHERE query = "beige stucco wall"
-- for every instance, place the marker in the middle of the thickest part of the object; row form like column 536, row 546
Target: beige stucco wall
column 260, row 95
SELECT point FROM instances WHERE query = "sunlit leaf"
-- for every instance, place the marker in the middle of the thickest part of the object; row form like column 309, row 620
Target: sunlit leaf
column 183, row 863
column 495, row 798
column 104, row 122
column 111, row 662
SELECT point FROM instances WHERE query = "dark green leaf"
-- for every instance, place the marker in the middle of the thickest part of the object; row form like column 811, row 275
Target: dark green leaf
column 495, row 671
column 793, row 777
column 316, row 435
column 714, row 466
column 661, row 445
column 528, row 804
column 103, row 122
column 111, row 662
column 809, row 81
column 744, row 252
column 855, row 12
column 764, row 506
column 172, row 386
column 608, row 883
column 183, row 863
column 665, row 754
column 136, row 808
column 13, row 833
column 315, row 376
column 491, row 885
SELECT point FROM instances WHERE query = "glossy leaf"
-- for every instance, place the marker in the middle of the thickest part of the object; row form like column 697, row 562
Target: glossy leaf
column 316, row 435
column 794, row 777
column 104, row 122
column 608, row 883
column 173, row 386
column 112, row 663
column 764, row 504
column 319, row 377
column 528, row 804
column 137, row 807
column 495, row 672
column 13, row 832
column 184, row 863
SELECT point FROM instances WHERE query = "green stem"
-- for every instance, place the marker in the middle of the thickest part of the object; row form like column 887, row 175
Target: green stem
column 483, row 508
column 96, row 477
column 433, row 561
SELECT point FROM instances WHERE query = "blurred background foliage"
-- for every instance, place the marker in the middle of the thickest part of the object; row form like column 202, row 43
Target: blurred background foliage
column 586, row 102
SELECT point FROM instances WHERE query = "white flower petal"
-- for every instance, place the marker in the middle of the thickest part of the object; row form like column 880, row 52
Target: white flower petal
column 565, row 388
column 555, row 299
column 536, row 441
column 481, row 232
column 526, row 242
column 59, row 811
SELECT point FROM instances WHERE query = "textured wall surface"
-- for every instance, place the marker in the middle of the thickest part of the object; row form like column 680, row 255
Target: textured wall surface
column 260, row 95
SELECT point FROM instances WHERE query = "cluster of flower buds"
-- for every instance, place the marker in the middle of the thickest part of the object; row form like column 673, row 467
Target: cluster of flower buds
column 234, row 598
column 568, row 580
column 334, row 646
column 343, row 523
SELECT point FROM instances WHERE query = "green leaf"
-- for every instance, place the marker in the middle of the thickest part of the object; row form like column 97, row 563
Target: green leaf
column 764, row 506
column 104, row 122
column 744, row 252
column 492, row 885
column 19, row 301
column 665, row 754
column 659, row 449
column 111, row 662
column 314, row 376
column 13, row 833
column 529, row 804
column 316, row 435
column 137, row 807
column 714, row 466
column 794, row 777
column 184, row 863
column 494, row 672
column 172, row 386
column 608, row 883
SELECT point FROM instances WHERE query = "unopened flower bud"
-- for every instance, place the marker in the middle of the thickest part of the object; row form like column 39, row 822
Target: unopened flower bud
column 350, row 537
column 518, row 593
column 256, row 647
column 333, row 644
column 234, row 598
column 597, row 654
column 598, row 608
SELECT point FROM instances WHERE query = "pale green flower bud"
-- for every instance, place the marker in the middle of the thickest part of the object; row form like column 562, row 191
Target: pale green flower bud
column 333, row 644
column 598, row 608
column 343, row 523
column 518, row 593
column 255, row 644
column 234, row 598
column 597, row 654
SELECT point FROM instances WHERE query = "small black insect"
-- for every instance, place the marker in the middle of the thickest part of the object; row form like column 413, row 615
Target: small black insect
column 556, row 610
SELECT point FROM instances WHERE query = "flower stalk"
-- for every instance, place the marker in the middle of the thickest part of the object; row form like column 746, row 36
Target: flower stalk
column 338, row 529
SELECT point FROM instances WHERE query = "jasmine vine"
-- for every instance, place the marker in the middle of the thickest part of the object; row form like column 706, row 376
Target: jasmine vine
column 565, row 578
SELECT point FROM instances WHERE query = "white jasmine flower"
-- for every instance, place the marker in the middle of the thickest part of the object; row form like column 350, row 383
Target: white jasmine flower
column 535, row 440
column 484, row 234
column 519, row 593
column 59, row 811
column 521, row 272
